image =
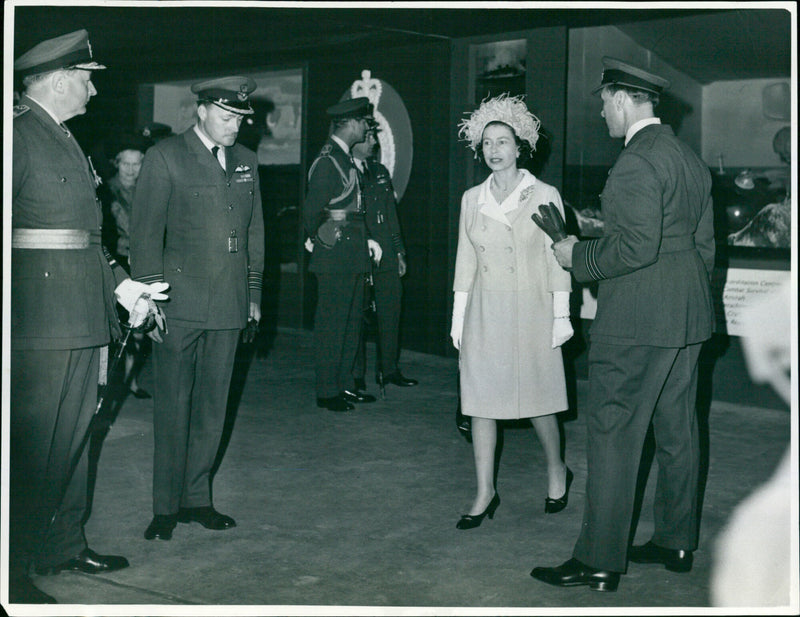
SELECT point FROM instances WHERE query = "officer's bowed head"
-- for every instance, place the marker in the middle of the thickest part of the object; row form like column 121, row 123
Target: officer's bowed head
column 229, row 93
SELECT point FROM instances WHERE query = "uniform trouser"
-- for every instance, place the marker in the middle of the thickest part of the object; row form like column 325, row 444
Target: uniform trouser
column 193, row 370
column 337, row 326
column 53, row 399
column 388, row 294
column 628, row 387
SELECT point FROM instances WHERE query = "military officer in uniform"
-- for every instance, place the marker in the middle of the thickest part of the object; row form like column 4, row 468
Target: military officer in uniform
column 198, row 225
column 62, row 315
column 654, row 310
column 380, row 208
column 333, row 216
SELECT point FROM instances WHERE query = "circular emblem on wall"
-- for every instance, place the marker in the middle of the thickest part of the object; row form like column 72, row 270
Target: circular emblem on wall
column 395, row 137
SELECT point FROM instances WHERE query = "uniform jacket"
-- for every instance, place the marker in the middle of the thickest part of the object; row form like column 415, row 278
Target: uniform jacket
column 508, row 367
column 349, row 255
column 655, row 258
column 185, row 210
column 381, row 214
column 60, row 298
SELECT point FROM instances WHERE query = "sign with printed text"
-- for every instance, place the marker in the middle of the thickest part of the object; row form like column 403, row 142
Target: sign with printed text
column 734, row 290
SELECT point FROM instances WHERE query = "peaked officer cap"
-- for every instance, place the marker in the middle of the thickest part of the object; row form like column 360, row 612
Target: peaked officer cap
column 229, row 93
column 617, row 72
column 359, row 107
column 68, row 51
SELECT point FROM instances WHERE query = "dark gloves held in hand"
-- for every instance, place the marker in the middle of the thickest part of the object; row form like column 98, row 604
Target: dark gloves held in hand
column 550, row 220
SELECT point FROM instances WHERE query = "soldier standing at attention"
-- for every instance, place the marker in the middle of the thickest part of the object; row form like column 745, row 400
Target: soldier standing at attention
column 333, row 216
column 380, row 207
column 62, row 316
column 197, row 224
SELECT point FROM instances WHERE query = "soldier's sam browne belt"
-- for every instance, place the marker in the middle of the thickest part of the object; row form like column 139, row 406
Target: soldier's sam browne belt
column 22, row 238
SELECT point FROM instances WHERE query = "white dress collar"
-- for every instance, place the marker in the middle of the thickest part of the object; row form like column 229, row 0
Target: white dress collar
column 488, row 204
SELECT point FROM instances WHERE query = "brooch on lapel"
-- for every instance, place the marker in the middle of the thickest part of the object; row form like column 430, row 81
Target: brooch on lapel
column 241, row 169
column 526, row 193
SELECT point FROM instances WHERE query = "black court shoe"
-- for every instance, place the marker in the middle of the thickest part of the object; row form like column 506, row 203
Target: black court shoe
column 470, row 521
column 551, row 506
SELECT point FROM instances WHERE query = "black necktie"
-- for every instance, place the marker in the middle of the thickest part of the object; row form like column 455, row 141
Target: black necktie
column 215, row 151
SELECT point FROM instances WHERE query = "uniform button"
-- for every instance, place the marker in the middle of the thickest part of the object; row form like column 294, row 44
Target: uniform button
column 63, row 179
column 229, row 184
column 485, row 268
column 195, row 194
column 483, row 227
column 46, row 275
column 509, row 249
column 230, row 206
column 482, row 248
column 511, row 268
column 178, row 270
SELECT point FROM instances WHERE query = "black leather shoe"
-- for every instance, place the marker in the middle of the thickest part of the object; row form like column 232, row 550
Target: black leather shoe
column 551, row 506
column 470, row 521
column 207, row 516
column 573, row 572
column 397, row 379
column 359, row 383
column 161, row 527
column 140, row 393
column 335, row 403
column 674, row 560
column 88, row 562
column 357, row 397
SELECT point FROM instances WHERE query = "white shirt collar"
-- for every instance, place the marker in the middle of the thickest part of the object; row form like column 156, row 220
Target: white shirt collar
column 637, row 126
column 204, row 138
column 344, row 146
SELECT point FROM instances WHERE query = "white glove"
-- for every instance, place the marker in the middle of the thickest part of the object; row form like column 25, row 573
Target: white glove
column 375, row 251
column 309, row 245
column 562, row 328
column 130, row 293
column 459, row 308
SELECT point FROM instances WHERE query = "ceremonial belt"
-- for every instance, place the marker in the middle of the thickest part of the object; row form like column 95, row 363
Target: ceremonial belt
column 675, row 244
column 24, row 238
column 343, row 215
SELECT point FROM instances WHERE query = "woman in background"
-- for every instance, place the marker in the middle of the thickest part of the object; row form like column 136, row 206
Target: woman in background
column 128, row 163
column 511, row 302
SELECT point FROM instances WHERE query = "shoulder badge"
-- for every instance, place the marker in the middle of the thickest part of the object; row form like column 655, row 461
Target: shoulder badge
column 20, row 109
column 326, row 150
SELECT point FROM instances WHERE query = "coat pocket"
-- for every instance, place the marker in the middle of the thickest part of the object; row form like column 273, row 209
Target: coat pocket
column 50, row 294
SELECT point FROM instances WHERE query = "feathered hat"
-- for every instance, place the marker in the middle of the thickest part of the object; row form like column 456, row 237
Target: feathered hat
column 510, row 110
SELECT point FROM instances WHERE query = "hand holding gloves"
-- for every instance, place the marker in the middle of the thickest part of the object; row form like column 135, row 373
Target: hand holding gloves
column 138, row 299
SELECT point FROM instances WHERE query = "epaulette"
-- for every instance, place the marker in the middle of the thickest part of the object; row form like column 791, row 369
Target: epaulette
column 20, row 109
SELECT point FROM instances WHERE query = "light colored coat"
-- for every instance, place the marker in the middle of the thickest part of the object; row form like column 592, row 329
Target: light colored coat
column 504, row 261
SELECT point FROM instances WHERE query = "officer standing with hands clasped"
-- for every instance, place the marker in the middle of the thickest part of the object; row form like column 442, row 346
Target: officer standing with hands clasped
column 62, row 316
column 654, row 310
column 380, row 207
column 333, row 216
column 198, row 225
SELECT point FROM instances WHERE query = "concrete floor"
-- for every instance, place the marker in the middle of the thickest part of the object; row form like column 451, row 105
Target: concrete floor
column 355, row 513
